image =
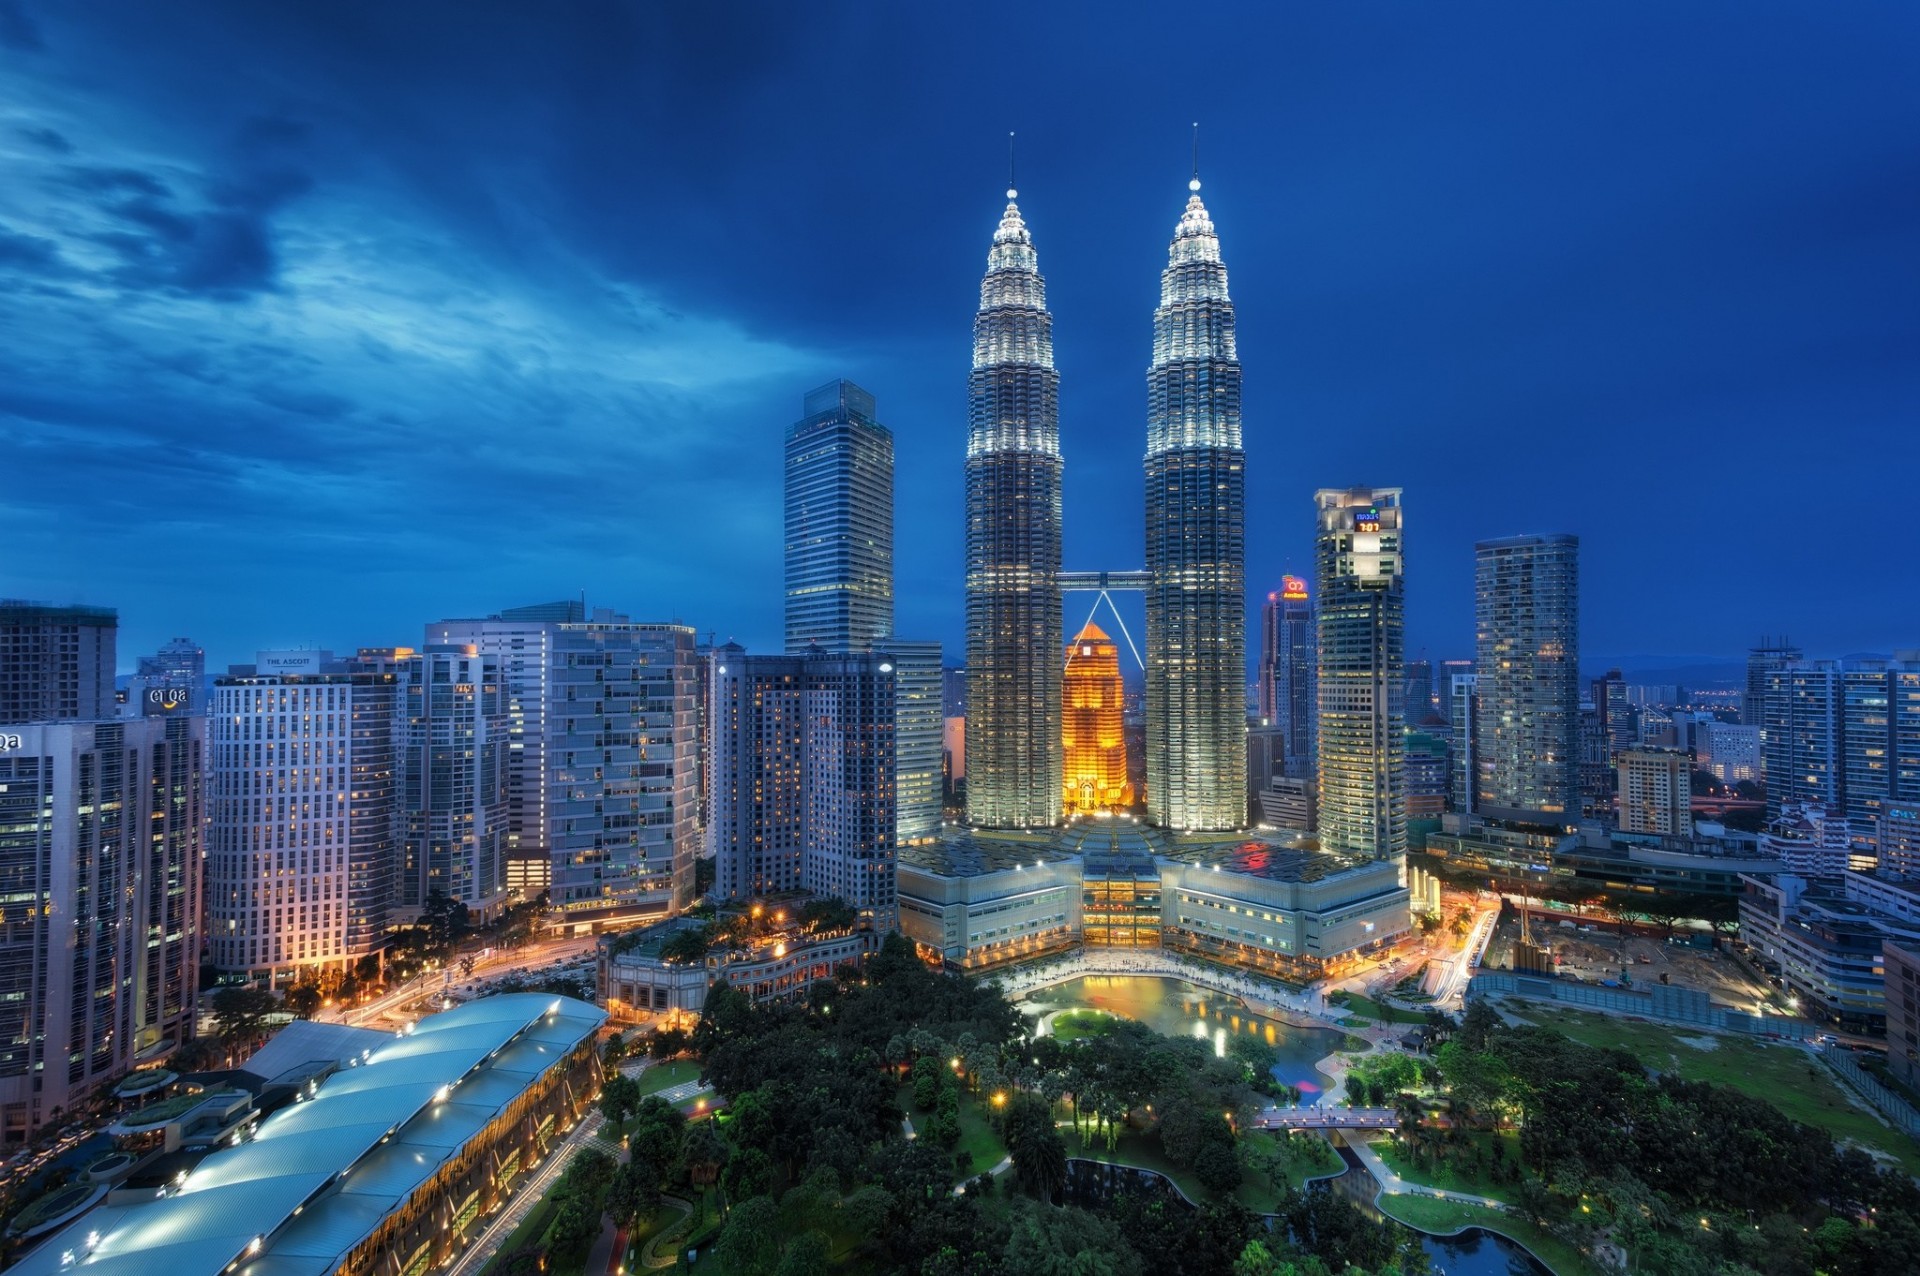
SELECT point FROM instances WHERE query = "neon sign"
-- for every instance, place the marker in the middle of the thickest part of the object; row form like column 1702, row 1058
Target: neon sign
column 1367, row 521
column 1293, row 588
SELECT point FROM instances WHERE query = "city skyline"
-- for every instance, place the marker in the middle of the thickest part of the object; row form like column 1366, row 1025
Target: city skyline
column 317, row 279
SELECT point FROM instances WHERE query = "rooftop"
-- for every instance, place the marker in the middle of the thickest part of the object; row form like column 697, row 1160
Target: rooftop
column 321, row 1175
column 1256, row 856
column 976, row 853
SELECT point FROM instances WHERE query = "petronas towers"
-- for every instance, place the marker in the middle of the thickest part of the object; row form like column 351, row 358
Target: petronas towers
column 1195, row 519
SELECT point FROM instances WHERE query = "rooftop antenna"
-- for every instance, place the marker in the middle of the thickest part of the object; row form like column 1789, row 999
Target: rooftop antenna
column 1194, row 185
column 1012, row 193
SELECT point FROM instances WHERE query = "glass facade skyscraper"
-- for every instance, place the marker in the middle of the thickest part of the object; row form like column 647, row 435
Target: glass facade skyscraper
column 839, row 520
column 1527, row 625
column 1361, row 620
column 1287, row 670
column 1014, row 469
column 1196, row 543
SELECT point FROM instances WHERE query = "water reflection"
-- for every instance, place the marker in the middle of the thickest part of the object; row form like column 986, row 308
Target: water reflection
column 1178, row 1008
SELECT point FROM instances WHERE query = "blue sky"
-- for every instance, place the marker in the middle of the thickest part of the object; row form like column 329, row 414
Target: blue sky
column 318, row 321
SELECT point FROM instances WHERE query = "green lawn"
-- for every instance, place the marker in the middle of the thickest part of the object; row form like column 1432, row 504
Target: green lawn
column 531, row 1229
column 1071, row 1025
column 662, row 1076
column 1450, row 1174
column 976, row 1130
column 1445, row 1217
column 1372, row 1009
column 1783, row 1075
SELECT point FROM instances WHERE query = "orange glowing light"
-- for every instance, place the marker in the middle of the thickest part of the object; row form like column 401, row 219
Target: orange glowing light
column 1092, row 735
column 1293, row 588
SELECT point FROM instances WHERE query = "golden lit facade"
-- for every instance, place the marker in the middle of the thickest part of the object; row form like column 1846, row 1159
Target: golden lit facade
column 1092, row 735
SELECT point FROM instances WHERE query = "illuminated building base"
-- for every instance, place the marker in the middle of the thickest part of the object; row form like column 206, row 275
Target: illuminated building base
column 1256, row 902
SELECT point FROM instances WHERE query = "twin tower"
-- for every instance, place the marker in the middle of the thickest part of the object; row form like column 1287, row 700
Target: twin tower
column 1195, row 577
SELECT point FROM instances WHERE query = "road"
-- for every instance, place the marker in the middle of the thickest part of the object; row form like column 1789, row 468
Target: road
column 401, row 1001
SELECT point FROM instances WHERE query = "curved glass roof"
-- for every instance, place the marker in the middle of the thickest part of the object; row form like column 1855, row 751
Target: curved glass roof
column 320, row 1175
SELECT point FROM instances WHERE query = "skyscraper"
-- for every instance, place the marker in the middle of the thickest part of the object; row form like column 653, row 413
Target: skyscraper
column 621, row 798
column 1772, row 654
column 56, row 663
column 1093, row 738
column 1656, row 792
column 169, row 681
column 1014, row 468
column 305, row 824
column 802, row 779
column 919, row 737
column 521, row 639
column 839, row 498
column 1196, row 542
column 453, row 792
column 1361, row 619
column 1463, row 728
column 100, row 851
column 1287, row 670
column 1527, row 612
column 1419, row 691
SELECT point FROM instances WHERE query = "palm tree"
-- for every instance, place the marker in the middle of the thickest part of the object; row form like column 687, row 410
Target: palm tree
column 704, row 1152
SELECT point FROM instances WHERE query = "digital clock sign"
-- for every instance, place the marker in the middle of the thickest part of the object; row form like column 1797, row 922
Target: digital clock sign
column 1366, row 521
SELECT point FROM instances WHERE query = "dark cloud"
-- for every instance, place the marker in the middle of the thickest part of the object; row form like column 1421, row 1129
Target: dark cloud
column 46, row 138
column 523, row 296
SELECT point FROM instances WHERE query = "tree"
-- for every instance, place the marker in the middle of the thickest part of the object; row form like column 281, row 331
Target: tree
column 1257, row 1260
column 303, row 1000
column 667, row 1042
column 703, row 1152
column 1039, row 1154
column 748, row 1173
column 1217, row 1168
column 635, row 1190
column 688, row 946
column 657, row 1130
column 749, row 1245
column 807, row 1255
column 242, row 1012
column 618, row 1097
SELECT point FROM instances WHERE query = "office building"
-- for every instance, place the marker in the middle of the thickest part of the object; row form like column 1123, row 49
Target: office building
column 1429, row 776
column 1361, row 640
column 1419, row 692
column 1014, row 627
column 1730, row 751
column 1444, row 678
column 304, row 817
column 1772, row 655
column 803, row 771
column 919, row 738
column 1196, row 542
column 1899, row 838
column 839, row 522
column 521, row 639
column 1287, row 803
column 1093, row 739
column 453, row 791
column 622, row 803
column 1824, row 938
column 56, row 663
column 396, row 1165
column 1463, row 726
column 1527, row 623
column 101, row 827
column 1900, row 966
column 171, row 680
column 1844, row 735
column 1656, row 791
column 1288, row 670
column 1266, row 762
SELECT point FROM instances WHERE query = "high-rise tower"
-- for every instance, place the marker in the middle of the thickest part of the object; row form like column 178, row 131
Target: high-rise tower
column 1287, row 670
column 1527, row 607
column 839, row 522
column 1014, row 629
column 1196, row 542
column 1094, row 741
column 1362, row 647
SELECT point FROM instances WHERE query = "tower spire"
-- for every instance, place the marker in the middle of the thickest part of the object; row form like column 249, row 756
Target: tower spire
column 1194, row 185
column 1012, row 193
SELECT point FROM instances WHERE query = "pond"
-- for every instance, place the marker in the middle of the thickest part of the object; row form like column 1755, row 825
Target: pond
column 1178, row 1008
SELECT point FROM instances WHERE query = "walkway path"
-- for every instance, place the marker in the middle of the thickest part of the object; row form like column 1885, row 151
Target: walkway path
column 1274, row 1117
column 531, row 1191
column 1391, row 1182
